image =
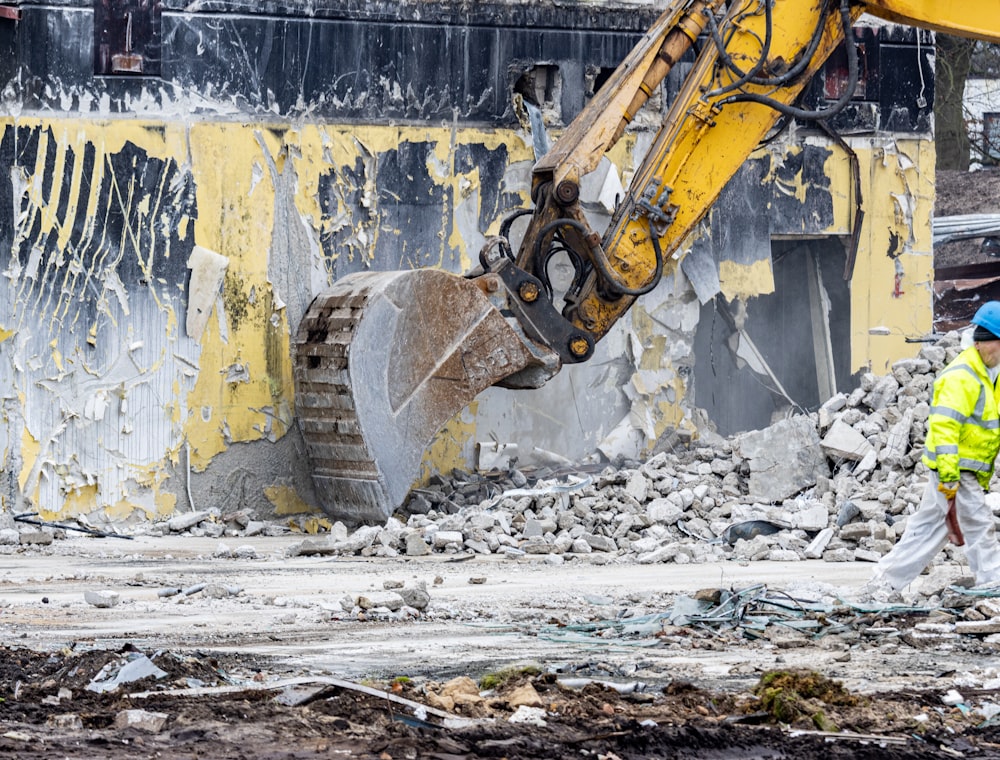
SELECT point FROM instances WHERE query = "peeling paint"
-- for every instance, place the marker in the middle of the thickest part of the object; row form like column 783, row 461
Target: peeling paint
column 287, row 501
column 30, row 452
column 738, row 281
column 79, row 501
column 894, row 292
column 208, row 271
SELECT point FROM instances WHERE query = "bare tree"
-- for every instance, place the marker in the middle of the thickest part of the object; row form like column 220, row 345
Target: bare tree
column 951, row 70
column 959, row 59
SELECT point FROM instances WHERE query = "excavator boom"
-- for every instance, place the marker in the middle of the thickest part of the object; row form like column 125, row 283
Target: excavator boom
column 385, row 359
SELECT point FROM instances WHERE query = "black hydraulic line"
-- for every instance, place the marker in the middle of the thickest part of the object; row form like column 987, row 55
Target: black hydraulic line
column 541, row 267
column 780, row 79
column 540, row 262
column 601, row 264
column 826, row 113
column 728, row 61
column 505, row 230
column 27, row 518
column 779, row 129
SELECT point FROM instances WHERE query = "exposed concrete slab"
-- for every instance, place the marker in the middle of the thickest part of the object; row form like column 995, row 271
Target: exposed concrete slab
column 784, row 459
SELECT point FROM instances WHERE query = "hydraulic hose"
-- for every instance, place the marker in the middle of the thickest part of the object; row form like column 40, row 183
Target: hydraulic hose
column 600, row 261
column 826, row 113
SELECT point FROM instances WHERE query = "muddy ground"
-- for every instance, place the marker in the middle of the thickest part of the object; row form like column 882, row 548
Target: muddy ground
column 679, row 721
column 512, row 659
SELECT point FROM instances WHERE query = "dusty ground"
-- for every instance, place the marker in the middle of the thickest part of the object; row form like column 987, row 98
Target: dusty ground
column 958, row 192
column 279, row 669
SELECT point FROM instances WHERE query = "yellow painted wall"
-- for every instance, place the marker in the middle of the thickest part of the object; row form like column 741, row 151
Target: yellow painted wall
column 894, row 274
column 242, row 389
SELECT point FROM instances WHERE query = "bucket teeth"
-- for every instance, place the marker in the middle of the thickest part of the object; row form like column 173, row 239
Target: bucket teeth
column 383, row 360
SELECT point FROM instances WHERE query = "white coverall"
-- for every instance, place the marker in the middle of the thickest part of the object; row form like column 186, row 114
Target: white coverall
column 926, row 534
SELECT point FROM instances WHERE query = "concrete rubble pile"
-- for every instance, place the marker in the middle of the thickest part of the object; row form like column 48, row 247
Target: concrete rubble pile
column 835, row 485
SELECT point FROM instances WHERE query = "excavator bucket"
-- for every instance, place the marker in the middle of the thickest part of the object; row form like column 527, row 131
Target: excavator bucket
column 383, row 360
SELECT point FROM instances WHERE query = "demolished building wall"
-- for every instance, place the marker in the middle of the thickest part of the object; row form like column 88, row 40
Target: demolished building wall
column 163, row 235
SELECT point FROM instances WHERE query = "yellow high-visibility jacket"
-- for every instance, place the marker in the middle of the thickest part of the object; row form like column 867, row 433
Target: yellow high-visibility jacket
column 963, row 429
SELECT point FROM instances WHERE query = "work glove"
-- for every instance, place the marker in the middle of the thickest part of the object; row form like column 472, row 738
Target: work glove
column 948, row 489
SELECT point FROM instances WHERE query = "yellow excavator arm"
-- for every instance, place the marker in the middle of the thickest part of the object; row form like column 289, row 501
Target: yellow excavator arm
column 385, row 359
column 764, row 54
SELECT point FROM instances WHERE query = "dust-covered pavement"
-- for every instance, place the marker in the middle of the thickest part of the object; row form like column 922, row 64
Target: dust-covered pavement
column 484, row 612
column 299, row 614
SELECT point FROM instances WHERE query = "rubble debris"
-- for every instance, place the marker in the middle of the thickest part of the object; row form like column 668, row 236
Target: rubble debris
column 785, row 621
column 102, row 598
column 134, row 668
column 183, row 522
column 36, row 537
column 390, row 600
column 534, row 716
column 783, row 459
column 835, row 484
column 141, row 720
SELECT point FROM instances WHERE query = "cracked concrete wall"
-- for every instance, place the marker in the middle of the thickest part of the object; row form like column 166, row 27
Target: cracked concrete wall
column 162, row 239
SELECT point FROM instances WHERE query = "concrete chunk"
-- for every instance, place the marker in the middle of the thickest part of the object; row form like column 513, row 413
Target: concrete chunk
column 978, row 627
column 102, row 598
column 415, row 596
column 784, row 459
column 838, row 555
column 844, row 442
column 663, row 511
column 637, row 486
column 36, row 537
column 819, row 543
column 856, row 531
column 898, row 441
column 182, row 522
column 444, row 537
column 812, row 519
column 388, row 599
column 662, row 554
column 141, row 720
column 600, row 543
column 416, row 546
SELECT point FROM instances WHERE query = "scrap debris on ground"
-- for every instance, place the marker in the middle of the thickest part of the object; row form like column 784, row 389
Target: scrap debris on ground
column 835, row 485
column 160, row 704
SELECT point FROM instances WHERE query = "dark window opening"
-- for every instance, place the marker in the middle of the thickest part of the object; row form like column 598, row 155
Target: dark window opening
column 788, row 351
column 540, row 85
column 835, row 73
column 597, row 78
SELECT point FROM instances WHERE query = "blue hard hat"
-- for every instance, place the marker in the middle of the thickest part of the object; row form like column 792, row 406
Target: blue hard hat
column 988, row 316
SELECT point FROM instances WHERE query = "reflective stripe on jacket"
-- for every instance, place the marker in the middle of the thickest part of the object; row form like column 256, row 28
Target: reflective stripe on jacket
column 963, row 429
